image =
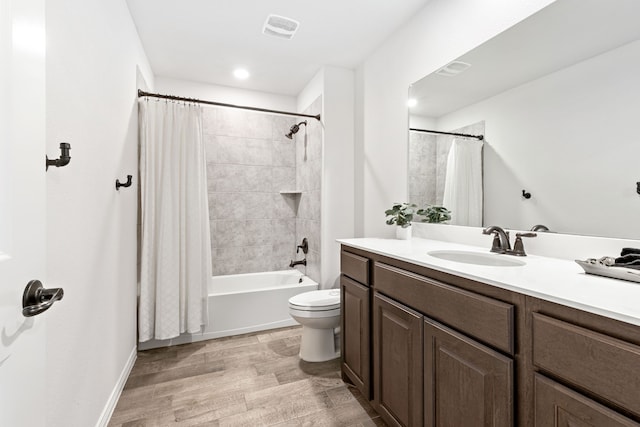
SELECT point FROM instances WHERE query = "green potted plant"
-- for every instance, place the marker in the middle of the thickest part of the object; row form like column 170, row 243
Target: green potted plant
column 435, row 214
column 401, row 214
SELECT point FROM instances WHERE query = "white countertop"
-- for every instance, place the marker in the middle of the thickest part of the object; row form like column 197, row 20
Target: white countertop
column 551, row 279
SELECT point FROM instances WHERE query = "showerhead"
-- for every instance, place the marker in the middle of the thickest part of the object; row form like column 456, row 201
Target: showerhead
column 294, row 129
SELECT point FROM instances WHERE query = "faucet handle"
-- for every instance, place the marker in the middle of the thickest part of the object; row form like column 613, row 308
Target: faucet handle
column 518, row 246
column 526, row 235
column 304, row 246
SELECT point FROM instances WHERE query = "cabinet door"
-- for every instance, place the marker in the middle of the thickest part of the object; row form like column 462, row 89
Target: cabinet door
column 559, row 406
column 355, row 334
column 466, row 383
column 397, row 362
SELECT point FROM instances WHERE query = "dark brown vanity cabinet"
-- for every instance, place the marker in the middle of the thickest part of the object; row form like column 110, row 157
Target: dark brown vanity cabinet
column 559, row 406
column 356, row 336
column 397, row 362
column 426, row 373
column 356, row 322
column 584, row 377
column 439, row 350
column 465, row 383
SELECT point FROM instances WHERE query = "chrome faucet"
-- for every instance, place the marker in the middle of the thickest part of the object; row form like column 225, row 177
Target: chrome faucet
column 501, row 244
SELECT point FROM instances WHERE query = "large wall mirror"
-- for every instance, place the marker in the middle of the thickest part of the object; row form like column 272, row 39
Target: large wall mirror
column 557, row 99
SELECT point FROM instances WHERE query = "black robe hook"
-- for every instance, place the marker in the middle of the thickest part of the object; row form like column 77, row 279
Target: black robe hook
column 126, row 184
column 64, row 159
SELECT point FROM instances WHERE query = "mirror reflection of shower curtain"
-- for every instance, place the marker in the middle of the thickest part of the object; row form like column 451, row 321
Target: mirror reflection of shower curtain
column 463, row 183
column 175, row 264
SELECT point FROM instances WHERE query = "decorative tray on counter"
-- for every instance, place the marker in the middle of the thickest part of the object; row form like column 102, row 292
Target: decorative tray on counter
column 600, row 269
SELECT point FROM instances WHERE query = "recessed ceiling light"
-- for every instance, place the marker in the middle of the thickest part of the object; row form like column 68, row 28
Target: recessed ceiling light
column 412, row 102
column 241, row 74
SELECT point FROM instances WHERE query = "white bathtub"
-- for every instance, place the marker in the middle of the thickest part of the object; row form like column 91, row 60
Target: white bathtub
column 243, row 303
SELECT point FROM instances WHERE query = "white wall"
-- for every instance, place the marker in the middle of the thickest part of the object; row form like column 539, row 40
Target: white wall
column 358, row 150
column 311, row 91
column 422, row 122
column 338, row 208
column 230, row 95
column 93, row 52
column 439, row 33
column 569, row 139
column 337, row 87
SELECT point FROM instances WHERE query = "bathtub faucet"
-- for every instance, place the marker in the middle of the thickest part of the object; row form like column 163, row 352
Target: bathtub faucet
column 294, row 263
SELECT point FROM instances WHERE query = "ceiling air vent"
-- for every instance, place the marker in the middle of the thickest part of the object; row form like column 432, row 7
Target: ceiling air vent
column 279, row 26
column 453, row 68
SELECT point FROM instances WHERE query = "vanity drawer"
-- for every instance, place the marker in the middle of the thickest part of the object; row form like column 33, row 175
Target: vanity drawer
column 355, row 266
column 485, row 319
column 603, row 365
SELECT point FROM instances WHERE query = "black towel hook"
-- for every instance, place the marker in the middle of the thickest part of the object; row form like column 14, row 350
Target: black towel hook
column 638, row 187
column 126, row 184
column 63, row 160
column 526, row 194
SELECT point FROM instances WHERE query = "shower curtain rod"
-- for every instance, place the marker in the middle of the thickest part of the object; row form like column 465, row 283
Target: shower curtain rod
column 142, row 93
column 466, row 135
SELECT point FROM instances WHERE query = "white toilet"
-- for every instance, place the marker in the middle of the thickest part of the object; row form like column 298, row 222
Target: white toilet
column 319, row 314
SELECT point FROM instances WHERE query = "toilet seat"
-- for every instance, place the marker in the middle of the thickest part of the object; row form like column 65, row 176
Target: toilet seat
column 315, row 314
column 323, row 300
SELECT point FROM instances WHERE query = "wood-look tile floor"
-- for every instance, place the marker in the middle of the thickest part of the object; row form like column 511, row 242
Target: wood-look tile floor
column 247, row 380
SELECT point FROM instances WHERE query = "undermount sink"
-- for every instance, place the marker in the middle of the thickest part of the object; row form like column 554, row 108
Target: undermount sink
column 478, row 258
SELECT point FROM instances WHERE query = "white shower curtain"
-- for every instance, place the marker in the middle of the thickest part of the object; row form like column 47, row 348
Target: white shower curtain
column 175, row 265
column 463, row 183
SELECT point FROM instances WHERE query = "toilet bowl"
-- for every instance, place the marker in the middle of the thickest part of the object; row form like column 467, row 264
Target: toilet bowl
column 319, row 314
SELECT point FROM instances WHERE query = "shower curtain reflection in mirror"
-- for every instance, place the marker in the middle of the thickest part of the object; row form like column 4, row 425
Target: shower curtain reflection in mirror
column 446, row 170
column 463, row 182
column 175, row 264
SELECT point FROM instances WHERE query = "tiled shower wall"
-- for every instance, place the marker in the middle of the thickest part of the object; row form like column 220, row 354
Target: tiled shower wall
column 422, row 168
column 428, row 155
column 249, row 161
column 309, row 183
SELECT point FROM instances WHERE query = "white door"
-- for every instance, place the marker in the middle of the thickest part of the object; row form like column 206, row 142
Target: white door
column 22, row 210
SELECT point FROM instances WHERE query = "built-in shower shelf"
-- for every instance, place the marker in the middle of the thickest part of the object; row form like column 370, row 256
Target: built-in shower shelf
column 291, row 192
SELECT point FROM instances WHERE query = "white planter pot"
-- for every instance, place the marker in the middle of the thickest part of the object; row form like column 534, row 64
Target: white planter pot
column 403, row 233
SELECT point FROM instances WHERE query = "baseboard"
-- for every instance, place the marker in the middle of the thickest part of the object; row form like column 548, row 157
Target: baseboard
column 105, row 417
column 189, row 338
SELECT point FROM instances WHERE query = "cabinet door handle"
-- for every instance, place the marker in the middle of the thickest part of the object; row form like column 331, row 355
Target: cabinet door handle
column 37, row 299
